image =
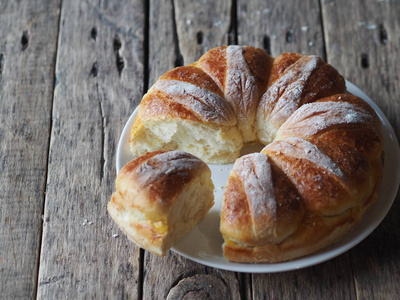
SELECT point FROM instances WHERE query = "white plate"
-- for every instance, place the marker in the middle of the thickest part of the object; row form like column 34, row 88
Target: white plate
column 204, row 243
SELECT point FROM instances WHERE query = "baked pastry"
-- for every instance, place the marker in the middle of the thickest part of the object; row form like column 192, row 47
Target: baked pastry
column 322, row 165
column 160, row 197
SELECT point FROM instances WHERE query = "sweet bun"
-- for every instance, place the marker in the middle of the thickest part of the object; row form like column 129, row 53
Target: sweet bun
column 303, row 79
column 160, row 197
column 188, row 115
column 321, row 167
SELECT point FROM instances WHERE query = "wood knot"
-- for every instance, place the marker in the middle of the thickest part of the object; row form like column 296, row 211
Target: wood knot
column 267, row 44
column 1, row 63
column 24, row 40
column 364, row 61
column 383, row 36
column 94, row 70
column 93, row 33
column 202, row 286
column 117, row 43
column 289, row 36
column 199, row 37
column 119, row 60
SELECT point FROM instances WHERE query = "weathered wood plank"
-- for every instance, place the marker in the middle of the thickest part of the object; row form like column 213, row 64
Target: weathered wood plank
column 292, row 26
column 99, row 82
column 163, row 49
column 329, row 280
column 170, row 46
column 363, row 40
column 281, row 26
column 202, row 25
column 28, row 39
column 163, row 275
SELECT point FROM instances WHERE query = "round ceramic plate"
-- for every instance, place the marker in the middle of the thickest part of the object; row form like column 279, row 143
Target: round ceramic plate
column 204, row 243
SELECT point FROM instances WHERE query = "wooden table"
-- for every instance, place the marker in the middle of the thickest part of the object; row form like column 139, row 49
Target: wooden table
column 72, row 72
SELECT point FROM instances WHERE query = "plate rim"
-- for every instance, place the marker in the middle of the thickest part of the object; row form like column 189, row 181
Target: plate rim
column 326, row 253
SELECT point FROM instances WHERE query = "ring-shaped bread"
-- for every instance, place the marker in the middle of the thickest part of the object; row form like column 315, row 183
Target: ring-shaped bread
column 322, row 164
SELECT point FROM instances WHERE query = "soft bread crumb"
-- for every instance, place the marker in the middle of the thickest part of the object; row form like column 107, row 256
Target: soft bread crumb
column 211, row 144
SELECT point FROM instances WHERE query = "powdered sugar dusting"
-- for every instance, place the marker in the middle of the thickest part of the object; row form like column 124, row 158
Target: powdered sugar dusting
column 164, row 164
column 240, row 87
column 285, row 95
column 255, row 173
column 311, row 118
column 208, row 105
column 301, row 149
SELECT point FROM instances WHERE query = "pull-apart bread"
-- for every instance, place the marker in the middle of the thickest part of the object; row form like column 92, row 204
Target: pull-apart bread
column 323, row 160
column 160, row 197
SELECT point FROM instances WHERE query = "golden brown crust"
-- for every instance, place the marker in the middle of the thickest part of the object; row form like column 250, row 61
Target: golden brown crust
column 214, row 63
column 260, row 204
column 157, row 105
column 185, row 93
column 322, row 190
column 193, row 75
column 366, row 139
column 281, row 63
column 260, row 65
column 159, row 177
column 235, row 214
column 352, row 145
column 306, row 80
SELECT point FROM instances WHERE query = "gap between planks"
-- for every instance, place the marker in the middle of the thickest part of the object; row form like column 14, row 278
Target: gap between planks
column 36, row 285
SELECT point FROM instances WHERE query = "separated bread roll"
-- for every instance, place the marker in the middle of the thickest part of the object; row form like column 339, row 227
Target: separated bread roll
column 160, row 197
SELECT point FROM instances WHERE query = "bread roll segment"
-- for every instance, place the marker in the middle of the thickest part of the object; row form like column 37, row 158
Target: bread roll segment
column 260, row 204
column 306, row 80
column 160, row 197
column 185, row 110
column 242, row 74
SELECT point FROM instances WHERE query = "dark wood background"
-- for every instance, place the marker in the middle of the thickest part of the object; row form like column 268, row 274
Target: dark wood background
column 72, row 72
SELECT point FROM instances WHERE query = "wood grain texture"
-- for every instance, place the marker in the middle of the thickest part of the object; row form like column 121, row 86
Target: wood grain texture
column 281, row 26
column 202, row 25
column 363, row 39
column 28, row 35
column 163, row 49
column 174, row 276
column 162, row 278
column 329, row 280
column 99, row 74
column 200, row 287
column 362, row 42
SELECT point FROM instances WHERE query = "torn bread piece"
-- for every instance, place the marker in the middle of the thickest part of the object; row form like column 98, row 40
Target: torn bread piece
column 160, row 197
